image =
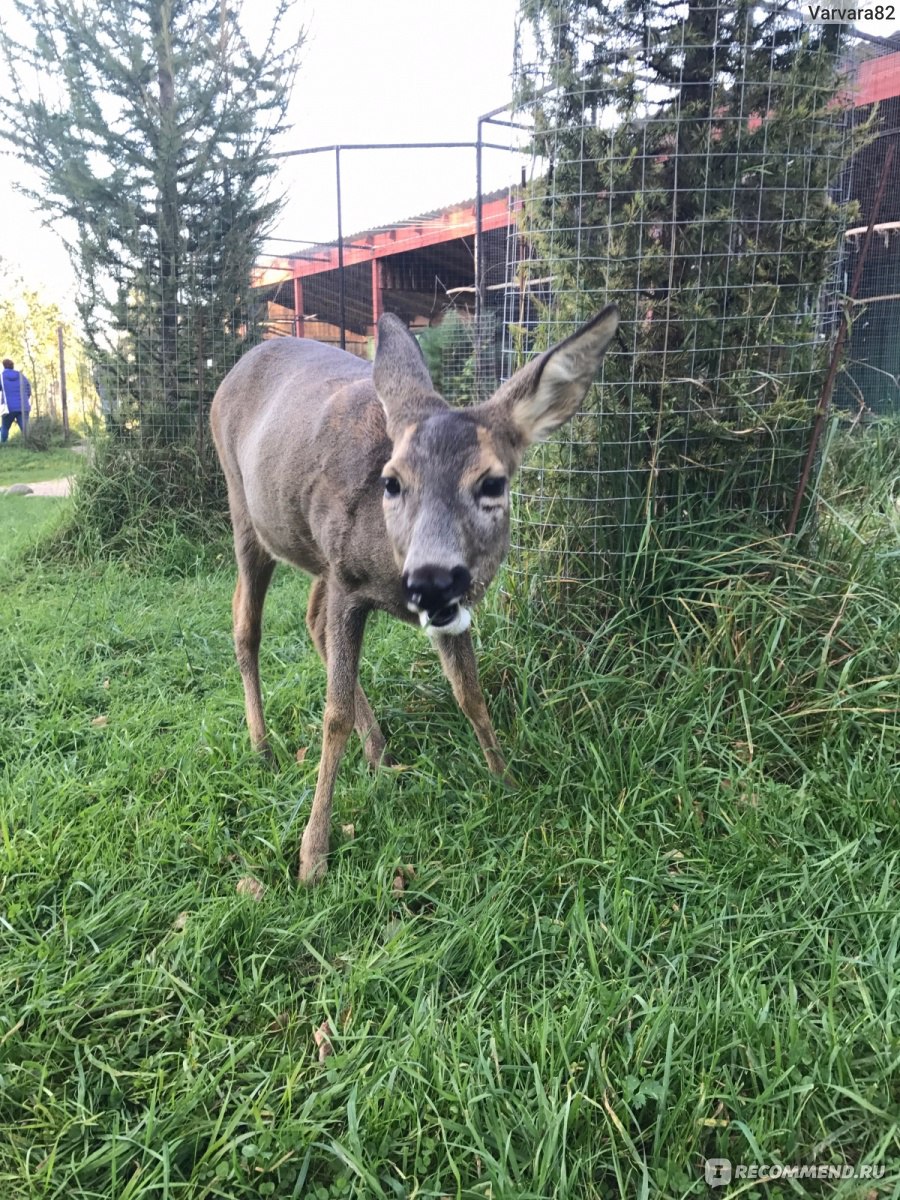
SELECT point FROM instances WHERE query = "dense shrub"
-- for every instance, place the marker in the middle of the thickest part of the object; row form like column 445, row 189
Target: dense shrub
column 142, row 503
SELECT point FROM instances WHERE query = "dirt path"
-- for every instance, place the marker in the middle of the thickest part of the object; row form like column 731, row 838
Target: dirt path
column 47, row 487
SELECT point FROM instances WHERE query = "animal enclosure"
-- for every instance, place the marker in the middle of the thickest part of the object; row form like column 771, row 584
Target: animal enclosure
column 712, row 169
column 697, row 164
column 673, row 942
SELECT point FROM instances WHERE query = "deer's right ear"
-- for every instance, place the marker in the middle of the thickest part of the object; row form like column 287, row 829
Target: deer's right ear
column 401, row 377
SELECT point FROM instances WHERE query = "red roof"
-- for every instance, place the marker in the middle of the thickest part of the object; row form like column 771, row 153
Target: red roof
column 456, row 221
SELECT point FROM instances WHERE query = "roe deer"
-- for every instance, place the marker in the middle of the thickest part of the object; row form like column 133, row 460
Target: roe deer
column 363, row 476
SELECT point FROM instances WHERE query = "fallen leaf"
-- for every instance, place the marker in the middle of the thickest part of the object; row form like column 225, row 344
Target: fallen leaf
column 301, row 753
column 405, row 872
column 322, row 1038
column 349, row 831
column 280, row 1023
column 248, row 886
column 106, row 683
column 98, row 721
column 180, row 921
column 674, row 857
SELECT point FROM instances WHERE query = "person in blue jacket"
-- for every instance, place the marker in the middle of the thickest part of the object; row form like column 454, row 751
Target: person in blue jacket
column 16, row 398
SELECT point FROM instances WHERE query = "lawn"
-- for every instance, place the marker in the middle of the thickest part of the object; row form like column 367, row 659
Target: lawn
column 20, row 463
column 22, row 519
column 676, row 939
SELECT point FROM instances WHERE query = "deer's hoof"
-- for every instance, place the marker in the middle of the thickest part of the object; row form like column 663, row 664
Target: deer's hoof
column 313, row 866
column 378, row 755
column 265, row 752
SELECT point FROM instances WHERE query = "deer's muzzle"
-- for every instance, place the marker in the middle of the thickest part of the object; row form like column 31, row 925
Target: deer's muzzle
column 435, row 594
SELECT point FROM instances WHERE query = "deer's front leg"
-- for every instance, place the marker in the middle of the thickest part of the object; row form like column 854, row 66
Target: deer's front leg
column 457, row 655
column 374, row 744
column 343, row 634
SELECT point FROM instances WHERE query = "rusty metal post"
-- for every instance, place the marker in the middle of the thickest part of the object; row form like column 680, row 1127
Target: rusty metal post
column 340, row 249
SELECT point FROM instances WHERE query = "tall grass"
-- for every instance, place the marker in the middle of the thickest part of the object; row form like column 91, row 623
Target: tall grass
column 677, row 938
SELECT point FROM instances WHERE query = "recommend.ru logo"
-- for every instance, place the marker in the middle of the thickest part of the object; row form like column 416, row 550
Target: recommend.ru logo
column 717, row 1171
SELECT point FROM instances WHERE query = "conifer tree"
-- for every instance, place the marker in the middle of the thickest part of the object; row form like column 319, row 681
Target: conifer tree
column 149, row 123
column 691, row 145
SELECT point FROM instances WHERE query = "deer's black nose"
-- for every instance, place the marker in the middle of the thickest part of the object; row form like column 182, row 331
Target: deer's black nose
column 433, row 588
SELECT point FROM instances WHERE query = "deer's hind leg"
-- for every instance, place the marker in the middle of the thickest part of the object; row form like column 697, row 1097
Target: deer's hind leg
column 373, row 740
column 255, row 567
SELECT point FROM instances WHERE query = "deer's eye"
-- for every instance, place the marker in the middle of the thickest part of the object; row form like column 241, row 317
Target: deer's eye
column 493, row 487
column 392, row 487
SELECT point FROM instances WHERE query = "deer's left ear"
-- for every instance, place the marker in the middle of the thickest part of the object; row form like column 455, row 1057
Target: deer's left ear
column 548, row 391
column 401, row 377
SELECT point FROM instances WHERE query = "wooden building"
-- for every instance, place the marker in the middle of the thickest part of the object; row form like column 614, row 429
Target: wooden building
column 418, row 268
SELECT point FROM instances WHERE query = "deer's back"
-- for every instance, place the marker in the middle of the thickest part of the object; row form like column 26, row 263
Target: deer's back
column 302, row 440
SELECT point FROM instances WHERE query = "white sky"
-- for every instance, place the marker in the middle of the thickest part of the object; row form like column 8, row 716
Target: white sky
column 371, row 71
column 395, row 71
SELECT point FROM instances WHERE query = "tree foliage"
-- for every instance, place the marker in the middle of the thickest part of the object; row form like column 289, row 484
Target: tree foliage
column 449, row 352
column 690, row 147
column 29, row 335
column 149, row 124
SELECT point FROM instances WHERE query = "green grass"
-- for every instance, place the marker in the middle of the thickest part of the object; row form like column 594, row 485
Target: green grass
column 24, row 519
column 679, row 937
column 20, row 463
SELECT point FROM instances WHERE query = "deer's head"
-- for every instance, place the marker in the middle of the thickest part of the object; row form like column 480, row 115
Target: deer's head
column 446, row 484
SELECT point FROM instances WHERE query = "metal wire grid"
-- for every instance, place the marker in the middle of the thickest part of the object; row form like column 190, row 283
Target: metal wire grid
column 870, row 384
column 709, row 398
column 172, row 335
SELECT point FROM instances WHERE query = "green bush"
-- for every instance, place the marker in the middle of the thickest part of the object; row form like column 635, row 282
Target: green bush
column 449, row 351
column 143, row 504
column 45, row 433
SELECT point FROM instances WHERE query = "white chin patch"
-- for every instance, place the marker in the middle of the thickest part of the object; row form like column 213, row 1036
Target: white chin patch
column 454, row 628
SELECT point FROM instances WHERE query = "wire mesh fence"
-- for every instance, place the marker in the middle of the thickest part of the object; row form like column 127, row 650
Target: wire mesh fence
column 183, row 309
column 421, row 267
column 870, row 383
column 168, row 330
column 694, row 170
